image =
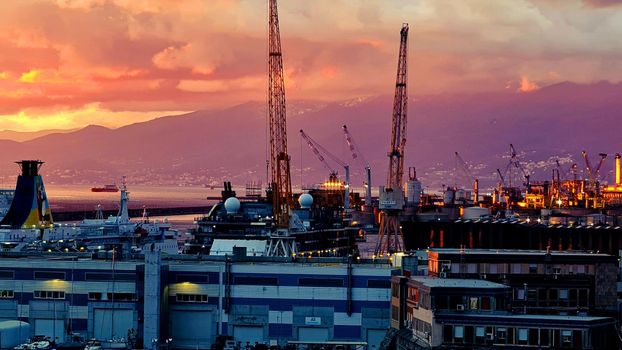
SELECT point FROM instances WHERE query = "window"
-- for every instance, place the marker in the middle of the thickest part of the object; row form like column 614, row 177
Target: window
column 395, row 290
column 7, row 275
column 458, row 332
column 46, row 294
column 566, row 337
column 502, row 334
column 6, row 294
column 581, row 269
column 395, row 313
column 516, row 268
column 255, row 281
column 192, row 298
column 121, row 296
column 378, row 283
column 485, row 303
column 472, row 268
column 473, row 303
column 49, row 275
column 563, row 294
column 533, row 268
column 493, row 268
column 479, row 332
column 102, row 276
column 522, row 335
column 520, row 294
column 95, row 296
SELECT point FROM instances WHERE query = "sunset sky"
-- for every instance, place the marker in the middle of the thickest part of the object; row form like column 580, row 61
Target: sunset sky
column 69, row 63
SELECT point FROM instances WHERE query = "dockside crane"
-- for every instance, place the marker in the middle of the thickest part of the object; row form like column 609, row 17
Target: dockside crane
column 390, row 239
column 280, row 244
column 593, row 174
column 320, row 152
column 357, row 155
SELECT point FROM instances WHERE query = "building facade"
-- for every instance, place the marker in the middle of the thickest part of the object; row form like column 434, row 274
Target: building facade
column 189, row 301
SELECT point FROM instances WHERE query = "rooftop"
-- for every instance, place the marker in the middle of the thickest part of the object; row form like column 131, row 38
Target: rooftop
column 434, row 282
column 515, row 252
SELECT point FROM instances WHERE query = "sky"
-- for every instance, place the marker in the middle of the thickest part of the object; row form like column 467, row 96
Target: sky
column 70, row 63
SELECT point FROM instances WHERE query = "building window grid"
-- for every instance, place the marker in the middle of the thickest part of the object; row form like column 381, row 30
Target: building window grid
column 191, row 298
column 47, row 294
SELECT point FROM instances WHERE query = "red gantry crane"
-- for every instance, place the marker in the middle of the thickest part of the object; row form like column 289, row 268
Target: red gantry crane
column 280, row 181
column 357, row 155
column 319, row 152
column 390, row 238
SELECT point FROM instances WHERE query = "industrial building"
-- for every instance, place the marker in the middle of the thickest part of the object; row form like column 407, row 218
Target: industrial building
column 439, row 313
column 546, row 282
column 188, row 301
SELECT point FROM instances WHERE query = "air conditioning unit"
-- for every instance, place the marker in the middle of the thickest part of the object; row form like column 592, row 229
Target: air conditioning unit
column 482, row 276
column 443, row 274
column 490, row 336
column 460, row 307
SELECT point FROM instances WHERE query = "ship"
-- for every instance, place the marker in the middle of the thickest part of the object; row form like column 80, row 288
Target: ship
column 317, row 229
column 106, row 188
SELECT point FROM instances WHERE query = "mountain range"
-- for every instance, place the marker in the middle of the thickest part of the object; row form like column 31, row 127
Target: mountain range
column 553, row 123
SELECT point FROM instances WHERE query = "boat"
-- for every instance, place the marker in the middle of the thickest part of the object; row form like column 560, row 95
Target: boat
column 106, row 188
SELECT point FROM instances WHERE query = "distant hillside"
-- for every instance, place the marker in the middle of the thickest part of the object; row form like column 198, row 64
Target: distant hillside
column 21, row 136
column 206, row 147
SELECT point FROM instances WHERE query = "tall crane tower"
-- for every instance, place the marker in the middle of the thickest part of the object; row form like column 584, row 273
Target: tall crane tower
column 390, row 238
column 320, row 152
column 280, row 180
column 356, row 154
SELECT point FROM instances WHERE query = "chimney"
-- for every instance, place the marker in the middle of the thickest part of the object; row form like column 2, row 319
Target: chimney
column 618, row 182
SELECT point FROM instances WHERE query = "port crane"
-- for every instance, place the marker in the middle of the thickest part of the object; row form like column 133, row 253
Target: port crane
column 320, row 152
column 280, row 244
column 390, row 239
column 593, row 174
column 357, row 155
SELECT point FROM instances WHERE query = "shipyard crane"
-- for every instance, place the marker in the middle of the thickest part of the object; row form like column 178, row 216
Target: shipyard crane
column 357, row 155
column 466, row 172
column 320, row 152
column 280, row 181
column 390, row 238
column 592, row 173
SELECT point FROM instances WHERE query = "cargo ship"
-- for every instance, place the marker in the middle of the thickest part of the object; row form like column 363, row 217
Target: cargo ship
column 106, row 188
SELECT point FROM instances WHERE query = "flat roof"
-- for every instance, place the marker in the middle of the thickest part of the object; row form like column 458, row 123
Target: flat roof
column 516, row 252
column 435, row 282
column 508, row 318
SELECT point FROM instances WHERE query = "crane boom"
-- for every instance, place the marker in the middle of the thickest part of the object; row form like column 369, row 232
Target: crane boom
column 280, row 180
column 319, row 152
column 400, row 106
column 356, row 154
column 392, row 196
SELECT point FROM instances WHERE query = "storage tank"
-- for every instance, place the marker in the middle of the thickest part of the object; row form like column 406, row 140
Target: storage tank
column 448, row 196
column 413, row 192
column 14, row 333
column 474, row 213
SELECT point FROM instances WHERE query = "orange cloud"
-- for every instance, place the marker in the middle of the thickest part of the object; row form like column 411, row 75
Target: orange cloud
column 30, row 76
column 526, row 85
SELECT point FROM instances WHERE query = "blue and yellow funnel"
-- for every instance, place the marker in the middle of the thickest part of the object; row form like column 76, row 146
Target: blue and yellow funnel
column 30, row 207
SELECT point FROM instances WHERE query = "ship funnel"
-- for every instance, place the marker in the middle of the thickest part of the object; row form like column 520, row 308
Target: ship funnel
column 30, row 207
